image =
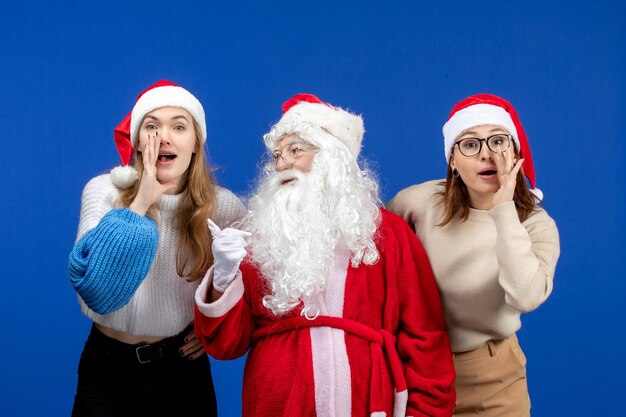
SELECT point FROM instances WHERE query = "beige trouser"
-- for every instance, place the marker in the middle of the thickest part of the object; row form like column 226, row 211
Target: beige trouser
column 491, row 380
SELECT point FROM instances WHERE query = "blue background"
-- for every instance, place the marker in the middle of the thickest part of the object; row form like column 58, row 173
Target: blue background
column 71, row 70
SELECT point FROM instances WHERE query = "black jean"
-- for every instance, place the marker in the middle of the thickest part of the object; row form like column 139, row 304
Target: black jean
column 112, row 381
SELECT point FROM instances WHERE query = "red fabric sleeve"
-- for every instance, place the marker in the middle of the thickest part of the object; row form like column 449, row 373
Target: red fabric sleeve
column 422, row 340
column 228, row 336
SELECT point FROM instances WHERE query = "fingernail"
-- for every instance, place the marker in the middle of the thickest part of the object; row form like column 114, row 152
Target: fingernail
column 180, row 351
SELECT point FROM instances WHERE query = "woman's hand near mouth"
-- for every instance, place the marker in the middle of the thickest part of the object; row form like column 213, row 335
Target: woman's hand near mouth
column 150, row 189
column 507, row 176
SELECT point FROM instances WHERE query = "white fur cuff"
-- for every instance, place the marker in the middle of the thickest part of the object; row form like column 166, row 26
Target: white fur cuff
column 220, row 307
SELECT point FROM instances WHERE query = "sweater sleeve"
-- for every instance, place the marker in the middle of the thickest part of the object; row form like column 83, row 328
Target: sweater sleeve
column 412, row 203
column 230, row 210
column 402, row 203
column 107, row 264
column 422, row 340
column 527, row 254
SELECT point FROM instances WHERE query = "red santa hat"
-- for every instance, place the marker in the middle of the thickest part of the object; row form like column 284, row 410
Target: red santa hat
column 487, row 109
column 308, row 110
column 161, row 94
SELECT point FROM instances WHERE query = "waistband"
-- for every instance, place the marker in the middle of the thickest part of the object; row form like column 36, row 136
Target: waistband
column 141, row 353
column 489, row 348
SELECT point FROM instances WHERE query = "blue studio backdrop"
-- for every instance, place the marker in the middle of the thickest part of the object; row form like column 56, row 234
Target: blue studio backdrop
column 70, row 71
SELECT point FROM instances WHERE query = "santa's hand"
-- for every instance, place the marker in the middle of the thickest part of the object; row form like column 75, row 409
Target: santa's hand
column 229, row 249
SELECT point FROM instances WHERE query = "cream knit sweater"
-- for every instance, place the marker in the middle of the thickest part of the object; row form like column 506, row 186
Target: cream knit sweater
column 489, row 269
column 163, row 304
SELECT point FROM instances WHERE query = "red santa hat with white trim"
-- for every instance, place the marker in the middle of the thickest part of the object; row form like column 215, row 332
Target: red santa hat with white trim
column 488, row 109
column 306, row 110
column 160, row 94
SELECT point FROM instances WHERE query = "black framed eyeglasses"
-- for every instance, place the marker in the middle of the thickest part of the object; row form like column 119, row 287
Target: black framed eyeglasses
column 472, row 146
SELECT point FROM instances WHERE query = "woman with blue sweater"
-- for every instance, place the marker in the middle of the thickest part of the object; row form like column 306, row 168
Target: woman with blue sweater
column 141, row 249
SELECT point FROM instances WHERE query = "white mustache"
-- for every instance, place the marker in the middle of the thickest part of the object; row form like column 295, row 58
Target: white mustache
column 278, row 178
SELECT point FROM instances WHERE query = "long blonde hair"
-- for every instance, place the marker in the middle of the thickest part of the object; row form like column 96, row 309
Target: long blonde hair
column 456, row 201
column 193, row 255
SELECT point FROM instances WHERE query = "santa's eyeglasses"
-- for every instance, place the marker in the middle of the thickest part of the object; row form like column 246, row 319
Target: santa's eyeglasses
column 289, row 154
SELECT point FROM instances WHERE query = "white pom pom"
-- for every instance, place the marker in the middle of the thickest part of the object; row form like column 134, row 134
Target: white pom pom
column 124, row 177
column 538, row 194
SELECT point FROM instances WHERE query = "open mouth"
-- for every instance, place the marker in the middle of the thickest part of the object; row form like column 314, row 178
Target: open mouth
column 288, row 180
column 166, row 157
column 488, row 172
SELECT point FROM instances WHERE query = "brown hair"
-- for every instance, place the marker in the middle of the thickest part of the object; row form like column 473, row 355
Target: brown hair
column 456, row 201
column 193, row 255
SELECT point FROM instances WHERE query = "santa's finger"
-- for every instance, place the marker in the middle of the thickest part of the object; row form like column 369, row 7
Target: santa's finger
column 234, row 237
column 215, row 229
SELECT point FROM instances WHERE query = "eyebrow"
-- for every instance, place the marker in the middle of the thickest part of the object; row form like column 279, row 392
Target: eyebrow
column 295, row 141
column 473, row 132
column 181, row 116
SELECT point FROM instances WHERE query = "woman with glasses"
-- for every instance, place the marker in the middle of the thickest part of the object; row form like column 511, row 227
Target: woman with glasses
column 143, row 245
column 493, row 250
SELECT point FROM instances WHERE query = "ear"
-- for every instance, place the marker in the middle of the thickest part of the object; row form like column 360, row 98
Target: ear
column 452, row 162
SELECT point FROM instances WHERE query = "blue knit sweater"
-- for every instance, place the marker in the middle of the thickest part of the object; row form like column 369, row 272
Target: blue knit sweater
column 108, row 263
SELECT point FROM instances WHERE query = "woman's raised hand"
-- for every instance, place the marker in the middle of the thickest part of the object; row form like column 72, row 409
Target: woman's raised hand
column 150, row 189
column 507, row 175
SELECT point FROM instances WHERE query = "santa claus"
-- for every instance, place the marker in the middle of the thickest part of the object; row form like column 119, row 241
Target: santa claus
column 335, row 301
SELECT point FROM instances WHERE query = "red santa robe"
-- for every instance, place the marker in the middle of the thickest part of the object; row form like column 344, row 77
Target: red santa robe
column 378, row 347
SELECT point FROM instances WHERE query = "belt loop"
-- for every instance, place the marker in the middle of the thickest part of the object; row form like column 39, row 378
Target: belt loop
column 492, row 347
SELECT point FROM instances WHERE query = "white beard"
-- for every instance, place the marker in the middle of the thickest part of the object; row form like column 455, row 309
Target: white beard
column 296, row 225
